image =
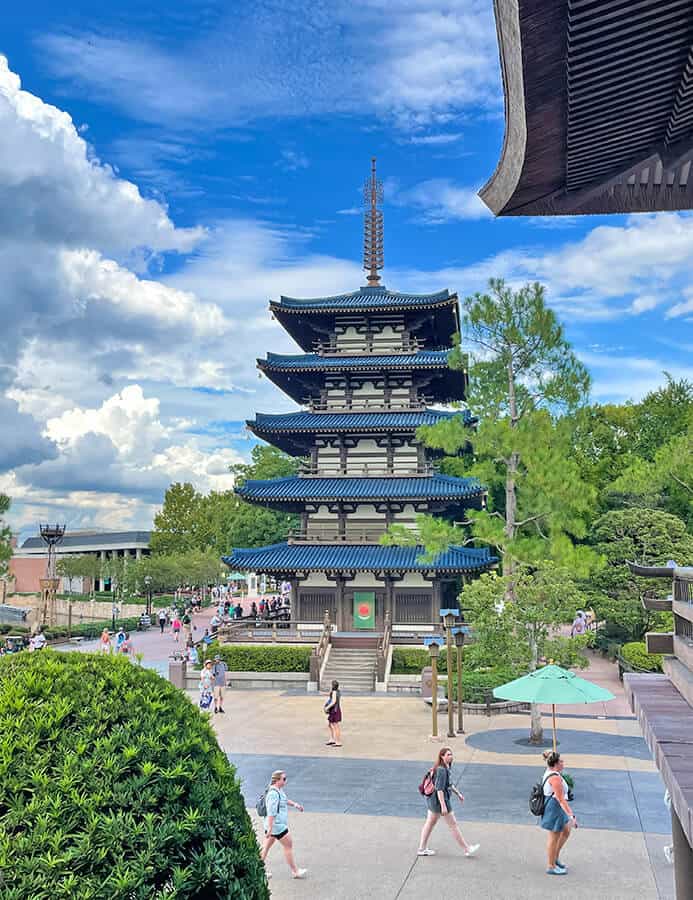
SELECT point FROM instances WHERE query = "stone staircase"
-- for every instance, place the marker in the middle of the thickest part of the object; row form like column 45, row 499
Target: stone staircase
column 353, row 667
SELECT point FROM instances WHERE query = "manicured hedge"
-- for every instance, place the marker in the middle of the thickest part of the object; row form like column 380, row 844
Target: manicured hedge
column 113, row 786
column 13, row 629
column 249, row 658
column 411, row 660
column 91, row 629
column 635, row 654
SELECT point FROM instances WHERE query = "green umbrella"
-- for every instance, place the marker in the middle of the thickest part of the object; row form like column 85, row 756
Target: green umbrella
column 553, row 685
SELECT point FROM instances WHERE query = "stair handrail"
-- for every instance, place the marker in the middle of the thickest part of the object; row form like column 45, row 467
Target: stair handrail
column 318, row 653
column 384, row 647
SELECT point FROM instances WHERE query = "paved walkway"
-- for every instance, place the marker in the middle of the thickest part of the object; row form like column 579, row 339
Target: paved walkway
column 359, row 834
column 363, row 815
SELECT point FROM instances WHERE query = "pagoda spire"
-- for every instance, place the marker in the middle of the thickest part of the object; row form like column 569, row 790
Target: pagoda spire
column 373, row 227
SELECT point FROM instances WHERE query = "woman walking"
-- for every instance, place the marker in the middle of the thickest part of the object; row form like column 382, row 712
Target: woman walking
column 439, row 805
column 175, row 628
column 105, row 641
column 277, row 822
column 558, row 818
column 333, row 708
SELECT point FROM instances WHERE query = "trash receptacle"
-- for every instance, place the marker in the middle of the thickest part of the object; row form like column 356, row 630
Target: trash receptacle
column 426, row 683
column 176, row 673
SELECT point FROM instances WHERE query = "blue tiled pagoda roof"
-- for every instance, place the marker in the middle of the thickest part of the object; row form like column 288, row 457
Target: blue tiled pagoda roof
column 364, row 298
column 313, row 361
column 359, row 557
column 434, row 487
column 310, row 422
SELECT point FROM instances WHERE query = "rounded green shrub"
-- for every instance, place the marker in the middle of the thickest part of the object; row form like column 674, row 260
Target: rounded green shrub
column 112, row 785
column 636, row 655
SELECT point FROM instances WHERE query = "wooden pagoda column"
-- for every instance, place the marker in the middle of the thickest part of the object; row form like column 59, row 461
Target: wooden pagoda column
column 340, row 603
column 389, row 591
column 387, row 391
column 341, row 523
column 295, row 604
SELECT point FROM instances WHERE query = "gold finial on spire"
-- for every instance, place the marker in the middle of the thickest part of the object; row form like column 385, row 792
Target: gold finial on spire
column 373, row 227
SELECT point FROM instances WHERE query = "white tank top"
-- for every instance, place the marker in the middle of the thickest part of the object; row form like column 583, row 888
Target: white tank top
column 549, row 783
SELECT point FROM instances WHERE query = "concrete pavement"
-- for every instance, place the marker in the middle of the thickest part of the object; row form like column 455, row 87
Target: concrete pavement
column 359, row 834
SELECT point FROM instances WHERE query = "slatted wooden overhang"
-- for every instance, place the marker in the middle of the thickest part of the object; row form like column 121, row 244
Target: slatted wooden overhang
column 599, row 107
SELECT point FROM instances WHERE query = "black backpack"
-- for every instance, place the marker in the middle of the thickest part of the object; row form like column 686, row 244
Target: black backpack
column 537, row 800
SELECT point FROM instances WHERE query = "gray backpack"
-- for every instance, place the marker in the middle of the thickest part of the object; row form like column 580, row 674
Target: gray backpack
column 261, row 805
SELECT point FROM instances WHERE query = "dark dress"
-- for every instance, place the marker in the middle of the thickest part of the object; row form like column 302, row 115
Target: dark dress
column 442, row 783
column 334, row 713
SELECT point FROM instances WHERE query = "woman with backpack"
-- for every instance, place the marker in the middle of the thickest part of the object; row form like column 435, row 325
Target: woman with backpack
column 437, row 788
column 557, row 818
column 276, row 809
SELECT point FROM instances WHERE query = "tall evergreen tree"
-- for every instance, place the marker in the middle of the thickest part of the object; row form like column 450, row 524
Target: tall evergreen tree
column 523, row 375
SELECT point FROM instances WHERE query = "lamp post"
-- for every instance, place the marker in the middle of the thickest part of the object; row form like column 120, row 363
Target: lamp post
column 148, row 584
column 433, row 643
column 459, row 634
column 449, row 616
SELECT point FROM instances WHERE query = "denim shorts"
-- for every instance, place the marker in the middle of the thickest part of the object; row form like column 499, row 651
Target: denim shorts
column 554, row 818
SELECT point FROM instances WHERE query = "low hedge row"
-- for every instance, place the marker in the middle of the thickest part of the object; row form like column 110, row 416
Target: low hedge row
column 411, row 660
column 90, row 629
column 477, row 685
column 13, row 629
column 113, row 786
column 635, row 654
column 249, row 658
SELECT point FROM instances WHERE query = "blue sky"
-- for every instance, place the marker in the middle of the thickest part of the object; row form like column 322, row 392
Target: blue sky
column 163, row 173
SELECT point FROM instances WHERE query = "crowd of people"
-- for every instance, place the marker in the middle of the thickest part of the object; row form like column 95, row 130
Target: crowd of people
column 15, row 643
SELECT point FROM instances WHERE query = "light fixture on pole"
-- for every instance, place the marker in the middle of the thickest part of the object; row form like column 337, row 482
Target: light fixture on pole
column 434, row 644
column 449, row 616
column 459, row 633
column 148, row 583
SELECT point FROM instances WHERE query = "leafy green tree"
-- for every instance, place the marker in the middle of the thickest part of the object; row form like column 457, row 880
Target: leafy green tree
column 647, row 536
column 221, row 520
column 5, row 535
column 515, row 617
column 602, row 440
column 167, row 571
column 84, row 565
column 266, row 462
column 662, row 415
column 177, row 526
column 666, row 481
column 525, row 374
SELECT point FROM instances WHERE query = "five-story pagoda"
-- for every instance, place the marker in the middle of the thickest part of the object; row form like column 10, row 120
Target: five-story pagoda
column 374, row 361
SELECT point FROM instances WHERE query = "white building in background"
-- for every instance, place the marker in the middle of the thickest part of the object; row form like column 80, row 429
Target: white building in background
column 28, row 563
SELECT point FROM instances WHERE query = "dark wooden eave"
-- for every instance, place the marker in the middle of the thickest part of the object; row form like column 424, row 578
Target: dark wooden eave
column 598, row 107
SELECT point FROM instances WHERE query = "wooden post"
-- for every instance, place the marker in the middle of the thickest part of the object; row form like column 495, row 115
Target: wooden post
column 553, row 717
column 451, row 693
column 460, row 721
column 434, row 696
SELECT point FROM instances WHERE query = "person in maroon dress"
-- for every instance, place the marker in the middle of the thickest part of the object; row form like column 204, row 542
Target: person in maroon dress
column 333, row 708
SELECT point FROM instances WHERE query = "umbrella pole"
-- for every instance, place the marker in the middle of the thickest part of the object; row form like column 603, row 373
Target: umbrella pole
column 553, row 717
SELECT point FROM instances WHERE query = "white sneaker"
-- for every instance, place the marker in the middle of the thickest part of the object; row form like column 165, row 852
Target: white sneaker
column 426, row 852
column 471, row 849
column 299, row 873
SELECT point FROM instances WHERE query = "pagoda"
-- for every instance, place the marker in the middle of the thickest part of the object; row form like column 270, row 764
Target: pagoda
column 374, row 362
